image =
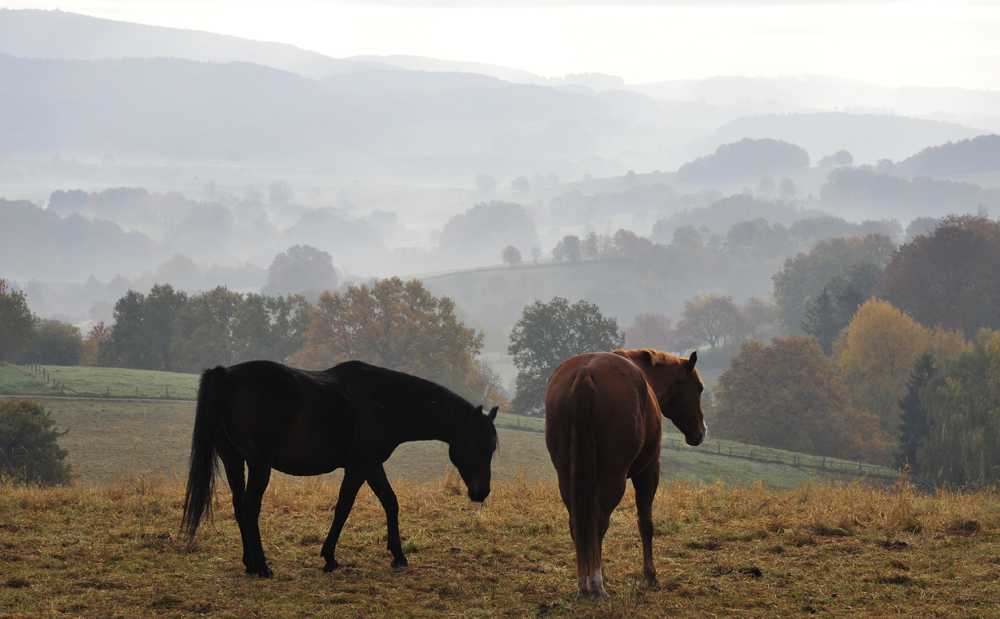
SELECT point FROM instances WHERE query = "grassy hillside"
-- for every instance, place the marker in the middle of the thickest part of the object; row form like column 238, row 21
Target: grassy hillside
column 109, row 438
column 97, row 382
column 858, row 551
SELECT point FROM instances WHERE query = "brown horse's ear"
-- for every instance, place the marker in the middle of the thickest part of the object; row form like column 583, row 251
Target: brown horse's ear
column 647, row 356
column 493, row 413
column 692, row 361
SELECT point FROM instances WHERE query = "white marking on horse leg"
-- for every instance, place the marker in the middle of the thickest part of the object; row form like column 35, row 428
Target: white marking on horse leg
column 596, row 584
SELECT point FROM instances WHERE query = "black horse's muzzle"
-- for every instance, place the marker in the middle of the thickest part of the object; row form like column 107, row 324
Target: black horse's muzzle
column 479, row 494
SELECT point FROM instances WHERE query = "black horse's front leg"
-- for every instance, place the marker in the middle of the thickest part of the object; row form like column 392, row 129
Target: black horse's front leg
column 353, row 478
column 379, row 484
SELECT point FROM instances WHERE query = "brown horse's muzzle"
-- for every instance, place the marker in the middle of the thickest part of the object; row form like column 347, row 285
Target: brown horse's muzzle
column 697, row 437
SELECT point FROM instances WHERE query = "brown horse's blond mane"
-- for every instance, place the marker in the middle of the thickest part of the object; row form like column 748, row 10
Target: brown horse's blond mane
column 658, row 357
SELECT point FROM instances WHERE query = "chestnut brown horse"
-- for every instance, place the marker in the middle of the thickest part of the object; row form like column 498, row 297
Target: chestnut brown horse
column 602, row 427
column 265, row 416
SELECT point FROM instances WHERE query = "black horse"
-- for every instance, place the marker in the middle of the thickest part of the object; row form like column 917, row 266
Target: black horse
column 351, row 416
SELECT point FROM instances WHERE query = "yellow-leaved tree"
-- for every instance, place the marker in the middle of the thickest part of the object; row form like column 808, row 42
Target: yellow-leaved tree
column 875, row 356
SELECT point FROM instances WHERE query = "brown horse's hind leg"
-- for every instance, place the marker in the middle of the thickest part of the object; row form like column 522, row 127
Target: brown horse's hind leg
column 379, row 484
column 610, row 490
column 645, row 484
column 354, row 477
column 258, row 476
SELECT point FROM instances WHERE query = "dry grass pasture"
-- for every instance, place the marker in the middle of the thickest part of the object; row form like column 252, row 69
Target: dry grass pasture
column 743, row 551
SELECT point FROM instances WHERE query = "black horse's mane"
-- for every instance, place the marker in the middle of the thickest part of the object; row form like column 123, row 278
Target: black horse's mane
column 380, row 378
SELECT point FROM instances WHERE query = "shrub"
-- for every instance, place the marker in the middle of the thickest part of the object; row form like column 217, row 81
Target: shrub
column 28, row 448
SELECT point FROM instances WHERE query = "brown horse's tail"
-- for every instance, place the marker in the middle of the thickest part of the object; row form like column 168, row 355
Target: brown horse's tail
column 212, row 395
column 583, row 476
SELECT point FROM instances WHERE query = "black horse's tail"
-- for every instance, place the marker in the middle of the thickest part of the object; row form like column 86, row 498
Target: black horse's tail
column 212, row 395
column 583, row 467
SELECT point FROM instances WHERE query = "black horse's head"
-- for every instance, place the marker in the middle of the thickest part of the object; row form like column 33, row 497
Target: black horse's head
column 471, row 452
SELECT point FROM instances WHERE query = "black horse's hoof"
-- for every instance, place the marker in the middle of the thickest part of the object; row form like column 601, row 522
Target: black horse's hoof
column 331, row 565
column 400, row 562
column 261, row 572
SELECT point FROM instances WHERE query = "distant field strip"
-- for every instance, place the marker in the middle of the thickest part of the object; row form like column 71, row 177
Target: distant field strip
column 97, row 382
column 703, row 461
column 109, row 438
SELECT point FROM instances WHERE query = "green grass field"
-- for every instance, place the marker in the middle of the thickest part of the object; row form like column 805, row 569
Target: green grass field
column 97, row 382
column 110, row 438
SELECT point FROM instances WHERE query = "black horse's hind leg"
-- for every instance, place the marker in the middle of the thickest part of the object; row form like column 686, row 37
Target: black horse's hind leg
column 354, row 477
column 233, row 464
column 258, row 476
column 379, row 484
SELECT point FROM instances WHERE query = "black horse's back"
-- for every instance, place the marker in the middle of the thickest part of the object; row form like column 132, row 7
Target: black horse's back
column 213, row 392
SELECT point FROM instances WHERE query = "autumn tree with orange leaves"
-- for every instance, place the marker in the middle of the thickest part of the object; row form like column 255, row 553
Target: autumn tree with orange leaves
column 788, row 396
column 393, row 324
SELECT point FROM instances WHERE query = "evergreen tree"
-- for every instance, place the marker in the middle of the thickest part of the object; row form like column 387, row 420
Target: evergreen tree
column 822, row 321
column 914, row 427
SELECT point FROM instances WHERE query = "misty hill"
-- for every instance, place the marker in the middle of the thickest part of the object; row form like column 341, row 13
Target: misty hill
column 981, row 154
column 434, row 65
column 31, row 33
column 820, row 92
column 891, row 196
column 723, row 213
column 58, row 34
column 397, row 82
column 179, row 108
column 745, row 158
column 37, row 243
column 868, row 137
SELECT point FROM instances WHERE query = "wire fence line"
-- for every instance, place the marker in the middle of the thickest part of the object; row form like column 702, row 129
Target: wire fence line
column 763, row 454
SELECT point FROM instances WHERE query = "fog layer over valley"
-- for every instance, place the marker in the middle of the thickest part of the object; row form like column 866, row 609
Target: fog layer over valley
column 132, row 155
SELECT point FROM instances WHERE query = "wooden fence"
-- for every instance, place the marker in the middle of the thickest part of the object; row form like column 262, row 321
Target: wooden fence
column 758, row 454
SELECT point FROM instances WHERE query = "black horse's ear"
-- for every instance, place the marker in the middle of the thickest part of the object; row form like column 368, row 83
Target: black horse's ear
column 479, row 409
column 493, row 412
column 691, row 361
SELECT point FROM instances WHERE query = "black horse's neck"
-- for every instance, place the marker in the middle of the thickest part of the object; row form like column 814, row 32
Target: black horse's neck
column 413, row 408
column 437, row 419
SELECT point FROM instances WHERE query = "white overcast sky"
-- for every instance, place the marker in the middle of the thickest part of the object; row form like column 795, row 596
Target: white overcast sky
column 892, row 43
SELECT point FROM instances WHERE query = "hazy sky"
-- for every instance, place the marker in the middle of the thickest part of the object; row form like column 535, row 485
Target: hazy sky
column 893, row 43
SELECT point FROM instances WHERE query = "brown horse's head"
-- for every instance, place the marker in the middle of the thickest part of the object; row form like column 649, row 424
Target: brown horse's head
column 678, row 389
column 471, row 451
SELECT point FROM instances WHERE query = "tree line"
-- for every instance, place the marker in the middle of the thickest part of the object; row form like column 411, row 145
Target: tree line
column 898, row 361
column 391, row 323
